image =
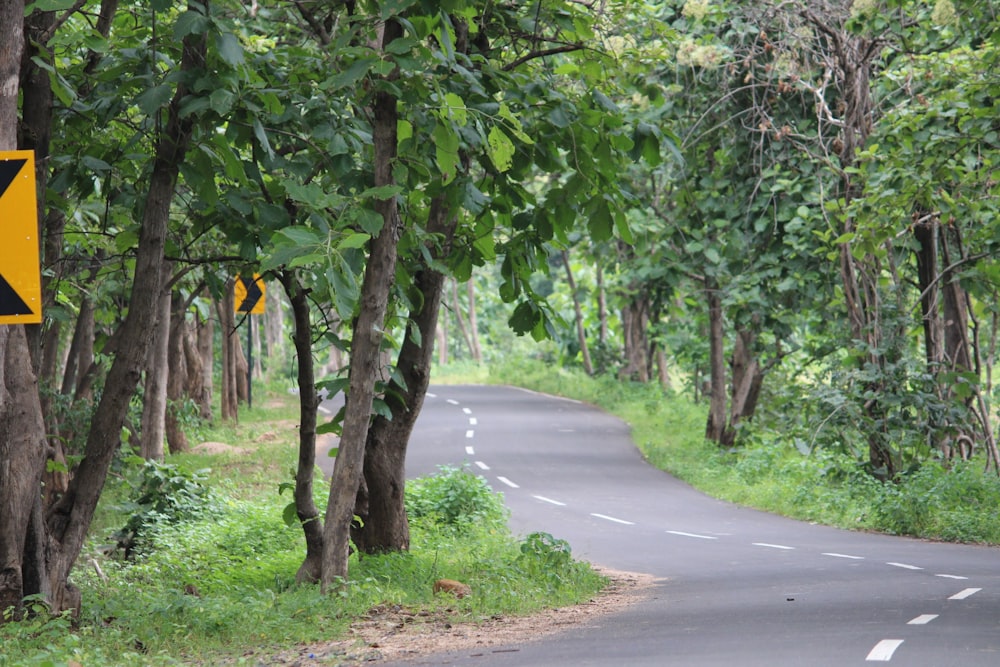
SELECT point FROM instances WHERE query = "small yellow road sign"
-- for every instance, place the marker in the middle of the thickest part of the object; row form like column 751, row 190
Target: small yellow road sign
column 20, row 275
column 248, row 294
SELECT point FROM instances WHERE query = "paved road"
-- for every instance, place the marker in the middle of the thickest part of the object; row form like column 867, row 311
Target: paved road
column 737, row 587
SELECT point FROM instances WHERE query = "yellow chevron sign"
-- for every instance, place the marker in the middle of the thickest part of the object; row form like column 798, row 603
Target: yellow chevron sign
column 248, row 294
column 20, row 275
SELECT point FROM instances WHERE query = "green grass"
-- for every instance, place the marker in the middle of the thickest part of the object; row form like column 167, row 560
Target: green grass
column 216, row 584
column 768, row 472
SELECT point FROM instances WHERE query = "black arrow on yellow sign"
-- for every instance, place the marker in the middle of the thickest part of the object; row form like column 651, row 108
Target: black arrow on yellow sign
column 10, row 302
column 251, row 294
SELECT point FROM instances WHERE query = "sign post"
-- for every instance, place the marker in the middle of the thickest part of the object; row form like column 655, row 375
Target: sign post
column 20, row 276
column 249, row 298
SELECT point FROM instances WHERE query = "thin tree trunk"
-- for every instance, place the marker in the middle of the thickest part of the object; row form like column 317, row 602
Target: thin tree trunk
column 154, row 401
column 230, row 346
column 602, row 307
column 477, row 352
column 206, row 350
column 459, row 319
column 177, row 378
column 367, row 336
column 715, row 429
column 70, row 518
column 581, row 332
column 305, row 507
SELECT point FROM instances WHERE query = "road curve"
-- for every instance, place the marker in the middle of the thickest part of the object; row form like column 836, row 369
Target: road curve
column 737, row 586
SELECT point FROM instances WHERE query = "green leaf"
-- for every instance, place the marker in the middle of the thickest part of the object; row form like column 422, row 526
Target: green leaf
column 601, row 223
column 500, row 149
column 48, row 6
column 446, row 151
column 455, row 108
column 301, row 236
column 404, row 130
column 190, row 23
column 353, row 74
column 392, row 8
column 149, row 101
column 290, row 515
column 353, row 241
column 230, row 49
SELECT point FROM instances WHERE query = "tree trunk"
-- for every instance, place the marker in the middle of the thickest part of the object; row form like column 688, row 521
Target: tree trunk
column 230, row 347
column 459, row 319
column 477, row 351
column 367, row 336
column 22, row 429
column 305, row 507
column 442, row 340
column 68, row 521
column 381, row 506
column 635, row 320
column 154, row 400
column 177, row 378
column 663, row 368
column 715, row 429
column 581, row 332
column 206, row 350
column 602, row 307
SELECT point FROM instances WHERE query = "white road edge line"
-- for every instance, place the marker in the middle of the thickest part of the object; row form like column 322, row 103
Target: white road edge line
column 923, row 619
column 905, row 566
column 772, row 546
column 950, row 576
column 508, row 482
column 883, row 650
column 549, row 500
column 482, row 466
column 968, row 592
column 683, row 534
column 611, row 518
column 470, row 450
column 835, row 555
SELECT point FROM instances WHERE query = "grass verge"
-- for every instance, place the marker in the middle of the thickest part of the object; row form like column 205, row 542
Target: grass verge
column 211, row 576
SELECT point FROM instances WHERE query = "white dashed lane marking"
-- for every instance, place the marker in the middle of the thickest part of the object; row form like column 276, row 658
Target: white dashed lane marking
column 883, row 650
column 968, row 592
column 923, row 619
column 773, row 546
column 469, row 433
column 905, row 566
column 452, row 401
column 470, row 450
column 950, row 576
column 836, row 555
column 695, row 535
column 549, row 500
column 508, row 482
column 482, row 466
column 613, row 519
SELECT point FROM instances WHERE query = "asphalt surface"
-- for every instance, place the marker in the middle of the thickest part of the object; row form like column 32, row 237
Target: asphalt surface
column 736, row 586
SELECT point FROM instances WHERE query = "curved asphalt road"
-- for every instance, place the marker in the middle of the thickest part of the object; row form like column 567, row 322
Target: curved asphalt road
column 737, row 587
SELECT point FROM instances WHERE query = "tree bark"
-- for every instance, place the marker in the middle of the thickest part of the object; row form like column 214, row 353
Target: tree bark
column 715, row 429
column 367, row 336
column 70, row 518
column 230, row 347
column 177, row 378
column 581, row 332
column 154, row 399
column 384, row 525
column 22, row 429
column 477, row 351
column 305, row 507
column 206, row 350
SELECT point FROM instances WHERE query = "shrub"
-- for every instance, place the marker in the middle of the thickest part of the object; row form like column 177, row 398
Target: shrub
column 456, row 498
column 165, row 494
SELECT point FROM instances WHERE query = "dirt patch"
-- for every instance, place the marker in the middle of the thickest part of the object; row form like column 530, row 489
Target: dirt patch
column 218, row 448
column 394, row 633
